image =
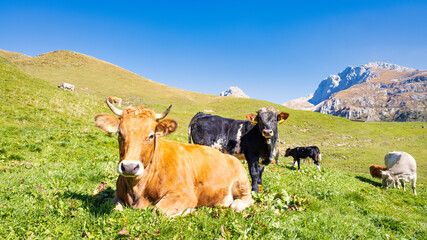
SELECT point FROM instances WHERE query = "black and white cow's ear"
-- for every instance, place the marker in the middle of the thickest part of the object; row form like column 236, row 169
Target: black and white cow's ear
column 281, row 117
column 107, row 122
column 166, row 127
column 252, row 118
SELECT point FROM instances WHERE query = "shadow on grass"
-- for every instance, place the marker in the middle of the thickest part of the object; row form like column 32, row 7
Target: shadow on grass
column 370, row 181
column 98, row 204
column 289, row 167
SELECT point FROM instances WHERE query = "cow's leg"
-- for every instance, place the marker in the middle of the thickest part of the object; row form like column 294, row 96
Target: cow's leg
column 293, row 163
column 413, row 185
column 176, row 203
column 299, row 163
column 254, row 172
column 396, row 184
column 119, row 203
column 261, row 171
column 403, row 184
column 242, row 189
column 141, row 203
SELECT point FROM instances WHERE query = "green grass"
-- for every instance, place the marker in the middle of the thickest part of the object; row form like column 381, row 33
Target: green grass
column 52, row 159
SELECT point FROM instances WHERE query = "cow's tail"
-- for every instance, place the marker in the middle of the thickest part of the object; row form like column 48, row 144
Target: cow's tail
column 191, row 123
column 189, row 133
column 189, row 128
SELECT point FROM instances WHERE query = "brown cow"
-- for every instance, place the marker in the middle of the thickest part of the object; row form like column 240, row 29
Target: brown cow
column 115, row 100
column 171, row 176
column 376, row 171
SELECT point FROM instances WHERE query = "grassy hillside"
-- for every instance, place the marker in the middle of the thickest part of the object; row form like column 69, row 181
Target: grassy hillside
column 52, row 160
column 94, row 76
column 349, row 145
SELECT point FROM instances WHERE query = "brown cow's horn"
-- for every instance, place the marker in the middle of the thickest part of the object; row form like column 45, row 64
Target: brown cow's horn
column 160, row 116
column 115, row 110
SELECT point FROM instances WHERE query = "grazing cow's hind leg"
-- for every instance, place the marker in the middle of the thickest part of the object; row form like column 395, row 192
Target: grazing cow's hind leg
column 413, row 185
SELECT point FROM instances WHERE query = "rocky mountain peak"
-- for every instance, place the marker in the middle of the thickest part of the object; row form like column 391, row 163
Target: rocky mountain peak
column 234, row 92
column 388, row 66
column 351, row 76
column 375, row 91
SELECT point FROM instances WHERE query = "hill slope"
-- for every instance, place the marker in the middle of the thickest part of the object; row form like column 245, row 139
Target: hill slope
column 94, row 76
column 51, row 154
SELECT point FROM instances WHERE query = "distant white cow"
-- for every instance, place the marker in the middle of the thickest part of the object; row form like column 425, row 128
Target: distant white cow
column 401, row 167
column 66, row 86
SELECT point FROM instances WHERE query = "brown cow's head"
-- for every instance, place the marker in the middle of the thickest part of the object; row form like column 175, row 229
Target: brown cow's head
column 137, row 129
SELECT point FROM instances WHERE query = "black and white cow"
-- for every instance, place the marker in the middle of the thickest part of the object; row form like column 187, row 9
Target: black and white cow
column 66, row 86
column 256, row 138
column 297, row 153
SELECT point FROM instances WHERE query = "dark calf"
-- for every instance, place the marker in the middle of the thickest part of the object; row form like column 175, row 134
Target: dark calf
column 297, row 153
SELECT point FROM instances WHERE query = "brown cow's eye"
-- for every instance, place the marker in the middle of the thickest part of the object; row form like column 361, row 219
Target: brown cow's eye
column 151, row 137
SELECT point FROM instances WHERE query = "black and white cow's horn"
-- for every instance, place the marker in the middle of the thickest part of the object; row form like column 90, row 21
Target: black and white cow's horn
column 115, row 110
column 160, row 116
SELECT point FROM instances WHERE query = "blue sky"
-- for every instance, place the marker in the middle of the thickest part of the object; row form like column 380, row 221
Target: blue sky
column 273, row 50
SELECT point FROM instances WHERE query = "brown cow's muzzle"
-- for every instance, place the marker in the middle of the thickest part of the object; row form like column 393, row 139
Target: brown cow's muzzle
column 130, row 168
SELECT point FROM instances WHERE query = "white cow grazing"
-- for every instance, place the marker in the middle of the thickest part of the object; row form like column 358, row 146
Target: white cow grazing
column 66, row 86
column 401, row 167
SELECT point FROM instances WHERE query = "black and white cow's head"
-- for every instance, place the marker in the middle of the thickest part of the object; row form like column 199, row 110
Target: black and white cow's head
column 267, row 120
column 388, row 179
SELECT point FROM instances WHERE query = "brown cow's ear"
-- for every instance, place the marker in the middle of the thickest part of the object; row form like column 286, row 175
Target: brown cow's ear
column 282, row 117
column 166, row 127
column 252, row 118
column 107, row 122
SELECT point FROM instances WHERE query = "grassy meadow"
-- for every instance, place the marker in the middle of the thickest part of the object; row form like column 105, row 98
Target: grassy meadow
column 53, row 159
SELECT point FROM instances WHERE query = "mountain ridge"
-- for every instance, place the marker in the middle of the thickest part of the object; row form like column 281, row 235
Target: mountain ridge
column 366, row 93
column 351, row 76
